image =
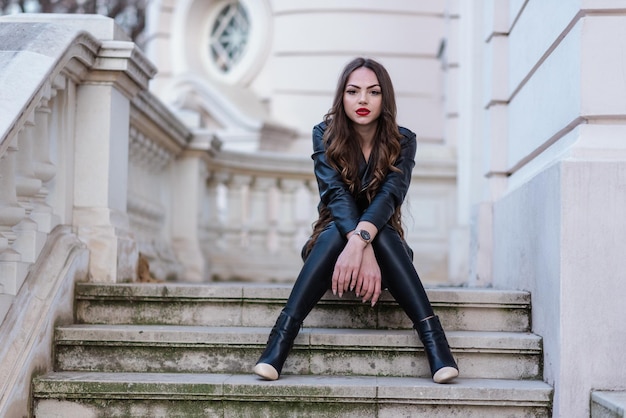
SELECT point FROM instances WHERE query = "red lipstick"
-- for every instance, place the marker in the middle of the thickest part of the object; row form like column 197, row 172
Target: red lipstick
column 362, row 111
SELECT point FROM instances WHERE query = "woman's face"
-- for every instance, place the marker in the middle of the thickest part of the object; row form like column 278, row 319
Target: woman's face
column 362, row 97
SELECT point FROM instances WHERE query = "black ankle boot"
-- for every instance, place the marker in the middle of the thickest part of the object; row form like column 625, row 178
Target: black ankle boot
column 442, row 365
column 278, row 346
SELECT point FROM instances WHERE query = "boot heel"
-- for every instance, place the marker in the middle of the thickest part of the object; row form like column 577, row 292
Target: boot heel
column 443, row 368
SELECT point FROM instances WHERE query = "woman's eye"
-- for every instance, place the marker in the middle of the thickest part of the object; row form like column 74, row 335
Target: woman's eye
column 375, row 92
column 351, row 91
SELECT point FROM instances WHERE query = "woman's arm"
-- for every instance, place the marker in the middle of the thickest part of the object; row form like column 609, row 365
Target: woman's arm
column 348, row 267
column 334, row 193
column 369, row 281
column 395, row 186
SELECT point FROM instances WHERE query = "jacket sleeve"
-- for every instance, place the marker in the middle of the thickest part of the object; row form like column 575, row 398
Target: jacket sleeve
column 394, row 189
column 334, row 193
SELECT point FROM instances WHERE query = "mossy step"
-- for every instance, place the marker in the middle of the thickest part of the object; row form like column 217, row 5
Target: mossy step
column 243, row 304
column 81, row 394
column 316, row 351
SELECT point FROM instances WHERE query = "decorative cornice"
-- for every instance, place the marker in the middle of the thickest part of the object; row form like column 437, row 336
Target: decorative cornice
column 126, row 56
column 117, row 58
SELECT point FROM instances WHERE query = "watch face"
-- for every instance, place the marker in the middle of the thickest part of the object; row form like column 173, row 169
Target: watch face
column 365, row 235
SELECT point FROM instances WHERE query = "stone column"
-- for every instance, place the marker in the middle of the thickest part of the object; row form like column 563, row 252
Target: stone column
column 484, row 126
column 101, row 159
column 190, row 176
column 559, row 224
column 101, row 175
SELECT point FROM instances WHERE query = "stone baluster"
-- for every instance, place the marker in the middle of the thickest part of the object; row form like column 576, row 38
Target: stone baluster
column 291, row 234
column 237, row 234
column 43, row 169
column 215, row 213
column 12, row 270
column 308, row 199
column 262, row 225
column 28, row 241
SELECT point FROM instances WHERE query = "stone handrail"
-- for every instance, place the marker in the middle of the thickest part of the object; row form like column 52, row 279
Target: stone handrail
column 82, row 143
column 38, row 81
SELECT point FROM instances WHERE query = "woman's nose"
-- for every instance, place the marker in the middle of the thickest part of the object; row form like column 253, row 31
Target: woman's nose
column 363, row 98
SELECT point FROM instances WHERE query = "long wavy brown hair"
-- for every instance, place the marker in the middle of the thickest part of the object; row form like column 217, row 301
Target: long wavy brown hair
column 343, row 149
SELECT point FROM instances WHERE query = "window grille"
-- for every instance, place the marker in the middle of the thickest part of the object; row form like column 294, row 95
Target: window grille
column 229, row 36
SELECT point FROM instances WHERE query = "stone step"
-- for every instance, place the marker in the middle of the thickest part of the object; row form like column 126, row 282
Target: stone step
column 608, row 404
column 84, row 394
column 137, row 348
column 241, row 304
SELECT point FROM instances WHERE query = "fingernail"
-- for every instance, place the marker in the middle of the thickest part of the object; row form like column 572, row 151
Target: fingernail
column 334, row 292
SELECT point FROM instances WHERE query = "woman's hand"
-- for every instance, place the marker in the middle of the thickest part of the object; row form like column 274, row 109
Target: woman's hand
column 347, row 267
column 369, row 279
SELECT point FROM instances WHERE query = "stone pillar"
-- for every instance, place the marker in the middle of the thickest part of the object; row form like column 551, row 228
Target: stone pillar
column 190, row 176
column 101, row 175
column 559, row 223
column 484, row 126
column 101, row 159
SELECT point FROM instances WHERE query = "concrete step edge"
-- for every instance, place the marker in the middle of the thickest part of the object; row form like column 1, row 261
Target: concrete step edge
column 215, row 386
column 159, row 335
column 274, row 293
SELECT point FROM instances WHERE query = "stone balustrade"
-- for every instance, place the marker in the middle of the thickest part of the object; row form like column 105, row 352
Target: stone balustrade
column 70, row 101
column 260, row 210
column 33, row 179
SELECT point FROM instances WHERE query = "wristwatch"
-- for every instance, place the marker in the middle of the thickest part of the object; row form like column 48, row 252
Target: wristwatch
column 365, row 236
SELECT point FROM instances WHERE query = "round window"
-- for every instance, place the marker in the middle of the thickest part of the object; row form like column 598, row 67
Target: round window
column 229, row 36
column 236, row 41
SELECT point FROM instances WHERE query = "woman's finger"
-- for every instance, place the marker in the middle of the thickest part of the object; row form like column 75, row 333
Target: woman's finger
column 377, row 291
column 334, row 283
column 368, row 291
column 359, row 286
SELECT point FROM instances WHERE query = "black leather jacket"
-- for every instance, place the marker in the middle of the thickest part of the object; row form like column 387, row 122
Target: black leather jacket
column 348, row 210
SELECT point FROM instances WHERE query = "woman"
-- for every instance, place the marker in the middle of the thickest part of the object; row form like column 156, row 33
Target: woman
column 363, row 164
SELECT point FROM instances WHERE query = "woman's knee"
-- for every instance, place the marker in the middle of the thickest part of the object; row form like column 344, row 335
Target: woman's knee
column 389, row 240
column 330, row 240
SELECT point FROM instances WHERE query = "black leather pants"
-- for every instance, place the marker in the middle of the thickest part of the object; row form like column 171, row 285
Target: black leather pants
column 395, row 261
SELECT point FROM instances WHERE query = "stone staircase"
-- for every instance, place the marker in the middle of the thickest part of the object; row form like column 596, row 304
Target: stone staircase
column 185, row 350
